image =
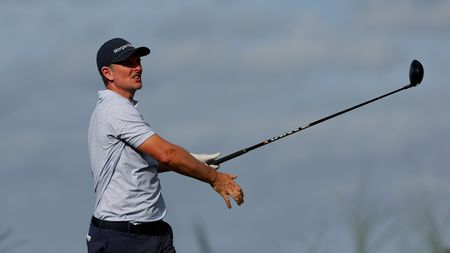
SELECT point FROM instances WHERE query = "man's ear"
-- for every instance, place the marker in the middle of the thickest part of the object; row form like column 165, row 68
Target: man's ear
column 107, row 73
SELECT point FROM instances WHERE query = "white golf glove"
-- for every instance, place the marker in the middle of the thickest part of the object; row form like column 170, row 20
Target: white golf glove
column 205, row 158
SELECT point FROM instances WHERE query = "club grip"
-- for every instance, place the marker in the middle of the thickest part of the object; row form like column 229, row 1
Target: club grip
column 228, row 157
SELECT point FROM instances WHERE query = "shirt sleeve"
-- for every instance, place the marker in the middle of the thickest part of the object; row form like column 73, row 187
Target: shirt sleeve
column 129, row 126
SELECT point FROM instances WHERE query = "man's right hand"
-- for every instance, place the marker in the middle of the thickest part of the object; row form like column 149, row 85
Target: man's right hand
column 225, row 185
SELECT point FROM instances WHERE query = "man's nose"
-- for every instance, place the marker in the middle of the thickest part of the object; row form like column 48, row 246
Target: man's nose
column 137, row 67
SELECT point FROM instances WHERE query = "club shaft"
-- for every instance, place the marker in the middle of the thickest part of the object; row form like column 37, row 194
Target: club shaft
column 263, row 143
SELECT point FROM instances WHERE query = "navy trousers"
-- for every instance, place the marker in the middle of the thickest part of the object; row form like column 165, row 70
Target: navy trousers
column 113, row 241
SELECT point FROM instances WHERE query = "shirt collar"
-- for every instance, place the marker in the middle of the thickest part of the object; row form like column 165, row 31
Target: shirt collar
column 103, row 94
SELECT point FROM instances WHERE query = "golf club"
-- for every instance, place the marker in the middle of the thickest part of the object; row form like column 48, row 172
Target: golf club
column 415, row 77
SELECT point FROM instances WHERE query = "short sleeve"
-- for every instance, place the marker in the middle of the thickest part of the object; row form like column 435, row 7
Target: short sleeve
column 129, row 126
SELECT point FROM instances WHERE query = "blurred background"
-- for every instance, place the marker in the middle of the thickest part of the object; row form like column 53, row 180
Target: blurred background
column 224, row 75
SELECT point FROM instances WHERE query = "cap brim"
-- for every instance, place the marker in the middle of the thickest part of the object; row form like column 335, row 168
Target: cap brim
column 140, row 51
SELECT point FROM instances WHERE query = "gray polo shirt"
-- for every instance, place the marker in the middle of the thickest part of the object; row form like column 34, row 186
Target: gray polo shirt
column 126, row 181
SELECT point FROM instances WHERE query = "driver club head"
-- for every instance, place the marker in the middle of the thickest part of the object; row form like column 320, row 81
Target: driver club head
column 415, row 73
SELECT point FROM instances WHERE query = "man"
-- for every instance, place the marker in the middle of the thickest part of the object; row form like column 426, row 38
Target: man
column 126, row 157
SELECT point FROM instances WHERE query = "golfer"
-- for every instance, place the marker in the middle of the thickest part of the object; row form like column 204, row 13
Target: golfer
column 126, row 156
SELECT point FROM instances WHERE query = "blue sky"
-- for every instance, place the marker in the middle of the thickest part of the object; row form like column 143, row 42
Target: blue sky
column 224, row 75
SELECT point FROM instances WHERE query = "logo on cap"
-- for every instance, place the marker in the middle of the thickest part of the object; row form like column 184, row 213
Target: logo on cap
column 122, row 48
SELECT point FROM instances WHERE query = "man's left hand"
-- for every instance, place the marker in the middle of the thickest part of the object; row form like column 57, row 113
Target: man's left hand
column 205, row 158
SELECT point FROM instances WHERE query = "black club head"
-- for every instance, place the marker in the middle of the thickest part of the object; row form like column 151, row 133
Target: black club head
column 415, row 73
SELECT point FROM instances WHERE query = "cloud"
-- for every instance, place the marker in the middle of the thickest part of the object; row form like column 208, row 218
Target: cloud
column 406, row 16
column 312, row 50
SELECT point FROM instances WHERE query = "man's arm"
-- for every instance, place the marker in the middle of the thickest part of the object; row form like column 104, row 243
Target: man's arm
column 203, row 158
column 174, row 158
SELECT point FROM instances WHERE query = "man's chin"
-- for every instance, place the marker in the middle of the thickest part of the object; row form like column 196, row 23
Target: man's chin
column 138, row 85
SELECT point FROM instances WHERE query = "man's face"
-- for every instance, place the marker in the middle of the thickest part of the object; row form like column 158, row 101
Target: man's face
column 127, row 74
